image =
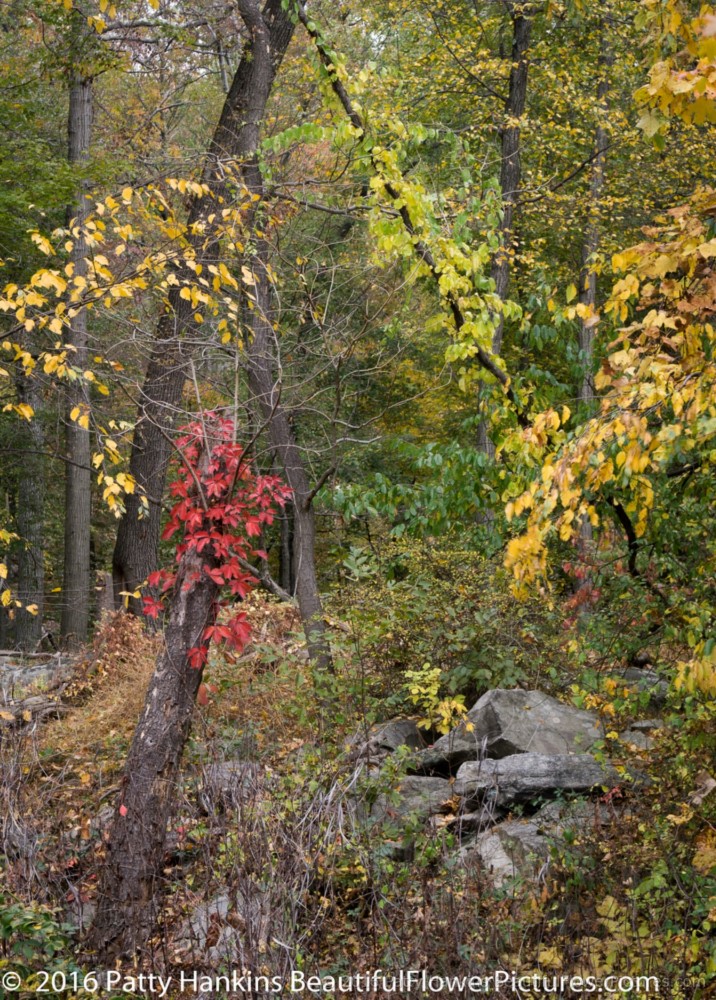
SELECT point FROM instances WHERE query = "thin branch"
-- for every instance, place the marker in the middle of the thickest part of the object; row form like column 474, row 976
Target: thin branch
column 266, row 580
column 485, row 359
column 632, row 541
column 319, row 485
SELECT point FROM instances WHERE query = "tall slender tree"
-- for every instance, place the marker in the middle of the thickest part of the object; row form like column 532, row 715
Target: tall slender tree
column 233, row 145
column 588, row 276
column 76, row 587
column 521, row 18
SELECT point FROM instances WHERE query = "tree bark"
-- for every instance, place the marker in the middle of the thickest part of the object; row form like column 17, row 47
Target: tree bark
column 266, row 390
column 588, row 276
column 286, row 574
column 235, row 142
column 510, row 174
column 129, row 891
column 76, row 587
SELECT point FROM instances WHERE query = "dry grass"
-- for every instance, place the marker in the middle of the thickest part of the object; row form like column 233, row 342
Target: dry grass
column 109, row 690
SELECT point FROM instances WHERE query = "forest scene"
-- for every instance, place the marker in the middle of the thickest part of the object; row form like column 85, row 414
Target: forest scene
column 357, row 468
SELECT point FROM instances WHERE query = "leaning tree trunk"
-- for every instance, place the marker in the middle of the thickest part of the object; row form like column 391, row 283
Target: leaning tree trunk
column 129, row 891
column 235, row 142
column 76, row 585
column 30, row 512
column 510, row 175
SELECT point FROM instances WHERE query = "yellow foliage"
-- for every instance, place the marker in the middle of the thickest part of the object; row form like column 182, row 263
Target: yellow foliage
column 658, row 402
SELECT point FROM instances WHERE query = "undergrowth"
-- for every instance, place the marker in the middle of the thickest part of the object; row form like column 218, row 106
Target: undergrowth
column 307, row 882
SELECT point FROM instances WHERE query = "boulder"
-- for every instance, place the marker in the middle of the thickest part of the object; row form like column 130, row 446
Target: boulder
column 645, row 681
column 520, row 848
column 227, row 784
column 510, row 850
column 506, row 722
column 415, row 796
column 384, row 738
column 527, row 776
column 638, row 739
column 221, row 930
column 21, row 676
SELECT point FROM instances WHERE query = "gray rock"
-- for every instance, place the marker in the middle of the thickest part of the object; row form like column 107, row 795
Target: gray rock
column 220, row 930
column 523, row 777
column 647, row 724
column 22, row 676
column 510, row 722
column 510, row 850
column 415, row 796
column 520, row 848
column 573, row 814
column 646, row 681
column 228, row 784
column 385, row 738
column 637, row 738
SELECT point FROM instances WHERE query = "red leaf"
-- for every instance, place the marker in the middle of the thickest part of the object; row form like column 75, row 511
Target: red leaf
column 122, row 810
column 197, row 656
column 150, row 607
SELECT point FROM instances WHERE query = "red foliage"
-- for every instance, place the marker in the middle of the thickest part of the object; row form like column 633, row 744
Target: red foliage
column 216, row 513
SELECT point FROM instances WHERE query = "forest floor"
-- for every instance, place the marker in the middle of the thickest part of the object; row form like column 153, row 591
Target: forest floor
column 281, row 867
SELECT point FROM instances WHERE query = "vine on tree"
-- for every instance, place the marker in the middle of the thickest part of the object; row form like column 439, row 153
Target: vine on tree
column 221, row 504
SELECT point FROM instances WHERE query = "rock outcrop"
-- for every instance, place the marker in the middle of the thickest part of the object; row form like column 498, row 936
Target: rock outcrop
column 506, row 722
column 529, row 776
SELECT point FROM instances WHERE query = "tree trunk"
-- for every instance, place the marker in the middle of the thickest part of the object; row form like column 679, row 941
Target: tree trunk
column 286, row 574
column 76, row 587
column 262, row 357
column 510, row 175
column 588, row 276
column 236, row 138
column 30, row 511
column 129, row 891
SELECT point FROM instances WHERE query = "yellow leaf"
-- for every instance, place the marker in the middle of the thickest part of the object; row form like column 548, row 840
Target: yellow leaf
column 31, row 609
column 84, row 421
column 571, row 292
column 25, row 410
column 74, row 412
column 3, row 571
column 7, row 716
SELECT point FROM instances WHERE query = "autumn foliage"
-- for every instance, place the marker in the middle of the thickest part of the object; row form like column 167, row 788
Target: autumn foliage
column 221, row 506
